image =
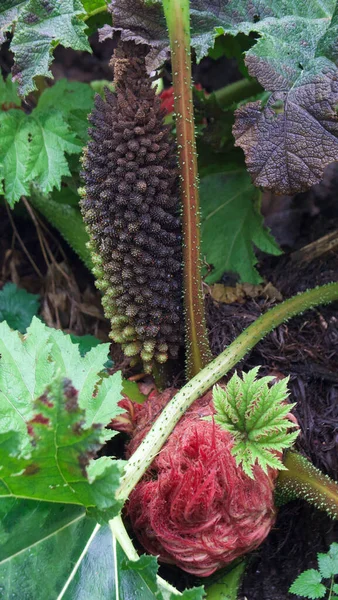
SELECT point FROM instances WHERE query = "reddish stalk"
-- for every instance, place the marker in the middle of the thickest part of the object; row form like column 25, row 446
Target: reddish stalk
column 197, row 345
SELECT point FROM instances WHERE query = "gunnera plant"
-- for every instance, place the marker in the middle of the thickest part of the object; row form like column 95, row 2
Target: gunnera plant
column 131, row 209
column 208, row 497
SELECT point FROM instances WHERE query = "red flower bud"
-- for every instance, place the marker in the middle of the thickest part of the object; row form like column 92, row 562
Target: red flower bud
column 167, row 100
column 195, row 507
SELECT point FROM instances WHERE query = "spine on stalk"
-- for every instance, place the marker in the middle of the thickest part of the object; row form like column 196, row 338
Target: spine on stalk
column 197, row 345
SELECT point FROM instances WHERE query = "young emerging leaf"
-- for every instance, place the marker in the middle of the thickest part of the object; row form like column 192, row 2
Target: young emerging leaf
column 256, row 415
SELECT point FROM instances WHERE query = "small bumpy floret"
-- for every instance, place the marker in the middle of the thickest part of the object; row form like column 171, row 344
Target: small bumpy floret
column 131, row 208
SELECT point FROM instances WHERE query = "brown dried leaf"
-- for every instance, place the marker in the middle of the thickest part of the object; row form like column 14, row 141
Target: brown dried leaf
column 228, row 295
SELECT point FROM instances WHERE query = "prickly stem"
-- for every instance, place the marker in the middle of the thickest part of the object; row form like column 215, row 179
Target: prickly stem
column 197, row 346
column 303, row 480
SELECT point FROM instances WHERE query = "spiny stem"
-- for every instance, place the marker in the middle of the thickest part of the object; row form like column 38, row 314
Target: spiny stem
column 197, row 345
column 196, row 387
column 303, row 480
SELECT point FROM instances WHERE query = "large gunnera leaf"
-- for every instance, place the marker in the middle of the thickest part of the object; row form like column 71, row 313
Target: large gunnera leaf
column 38, row 27
column 57, row 464
column 29, row 363
column 87, row 561
column 289, row 142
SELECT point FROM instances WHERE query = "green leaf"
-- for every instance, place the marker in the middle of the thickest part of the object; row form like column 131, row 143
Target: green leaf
column 40, row 27
column 25, row 371
column 17, row 307
column 9, row 12
column 63, row 443
column 308, row 585
column 85, row 342
column 87, row 561
column 91, row 6
column 141, row 575
column 122, row 577
column 282, row 26
column 14, row 150
column 8, row 93
column 33, row 149
column 34, row 145
column 34, row 536
column 50, row 139
column 257, row 417
column 289, row 142
column 131, row 390
column 28, row 364
column 328, row 563
column 66, row 218
column 231, row 224
column 103, row 407
column 74, row 100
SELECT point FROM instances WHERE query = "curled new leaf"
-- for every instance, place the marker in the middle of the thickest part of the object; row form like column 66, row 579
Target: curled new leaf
column 257, row 417
column 195, row 507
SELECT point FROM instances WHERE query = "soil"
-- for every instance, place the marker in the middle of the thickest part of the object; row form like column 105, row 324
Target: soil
column 33, row 256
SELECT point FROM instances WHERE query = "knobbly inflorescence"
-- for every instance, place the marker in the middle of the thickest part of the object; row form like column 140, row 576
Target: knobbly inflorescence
column 131, row 209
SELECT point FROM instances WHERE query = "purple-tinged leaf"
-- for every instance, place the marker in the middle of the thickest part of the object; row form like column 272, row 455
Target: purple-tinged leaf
column 289, row 142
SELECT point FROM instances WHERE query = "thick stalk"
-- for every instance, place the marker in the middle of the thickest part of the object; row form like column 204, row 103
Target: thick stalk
column 197, row 345
column 303, row 480
column 160, row 431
